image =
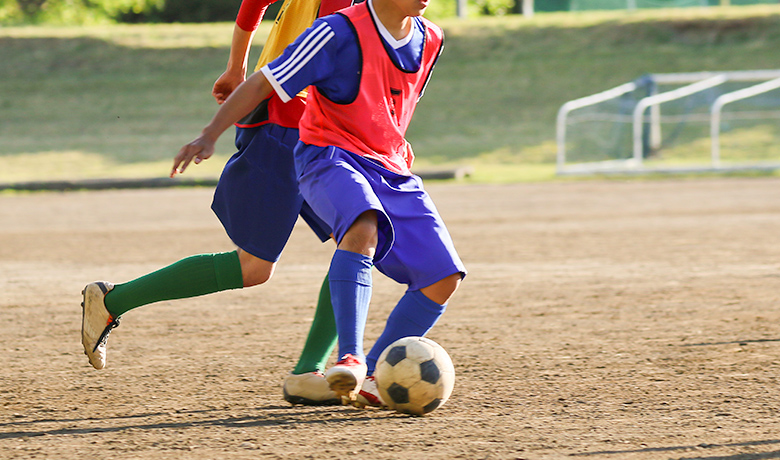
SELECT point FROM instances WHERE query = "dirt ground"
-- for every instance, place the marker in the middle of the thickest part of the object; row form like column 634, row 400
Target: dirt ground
column 600, row 320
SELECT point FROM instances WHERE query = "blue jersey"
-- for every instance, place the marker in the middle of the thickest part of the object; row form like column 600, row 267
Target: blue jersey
column 327, row 56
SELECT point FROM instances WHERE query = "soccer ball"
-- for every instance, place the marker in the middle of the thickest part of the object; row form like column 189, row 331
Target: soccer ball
column 414, row 375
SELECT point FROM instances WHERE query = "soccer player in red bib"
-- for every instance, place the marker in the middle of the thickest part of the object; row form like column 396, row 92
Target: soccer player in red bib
column 367, row 65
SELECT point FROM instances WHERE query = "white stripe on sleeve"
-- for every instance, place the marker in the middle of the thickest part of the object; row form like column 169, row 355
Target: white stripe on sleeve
column 308, row 48
column 275, row 84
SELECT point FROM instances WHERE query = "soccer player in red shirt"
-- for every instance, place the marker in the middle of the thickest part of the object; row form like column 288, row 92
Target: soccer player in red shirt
column 258, row 206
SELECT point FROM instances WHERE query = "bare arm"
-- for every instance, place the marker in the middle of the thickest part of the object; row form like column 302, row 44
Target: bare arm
column 248, row 18
column 245, row 98
column 235, row 74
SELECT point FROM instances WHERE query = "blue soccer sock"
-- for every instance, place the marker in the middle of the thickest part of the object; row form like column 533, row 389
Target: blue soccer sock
column 414, row 315
column 350, row 292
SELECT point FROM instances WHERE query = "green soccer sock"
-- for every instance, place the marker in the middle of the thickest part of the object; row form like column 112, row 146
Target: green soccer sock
column 322, row 336
column 189, row 277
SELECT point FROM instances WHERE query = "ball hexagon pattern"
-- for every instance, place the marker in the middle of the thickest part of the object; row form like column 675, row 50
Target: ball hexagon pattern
column 414, row 375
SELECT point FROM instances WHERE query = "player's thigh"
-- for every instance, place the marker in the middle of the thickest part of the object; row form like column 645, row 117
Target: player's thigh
column 257, row 197
column 423, row 252
column 339, row 191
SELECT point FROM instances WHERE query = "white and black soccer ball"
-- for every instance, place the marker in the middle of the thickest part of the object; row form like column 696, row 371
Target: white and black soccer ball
column 414, row 375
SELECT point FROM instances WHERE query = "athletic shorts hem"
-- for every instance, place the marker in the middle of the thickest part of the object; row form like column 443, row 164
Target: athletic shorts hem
column 420, row 284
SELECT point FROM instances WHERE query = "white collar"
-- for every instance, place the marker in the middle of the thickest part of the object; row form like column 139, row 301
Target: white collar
column 395, row 44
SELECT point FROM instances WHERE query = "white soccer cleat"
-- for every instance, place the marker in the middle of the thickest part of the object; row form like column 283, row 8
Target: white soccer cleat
column 96, row 322
column 369, row 395
column 309, row 389
column 346, row 376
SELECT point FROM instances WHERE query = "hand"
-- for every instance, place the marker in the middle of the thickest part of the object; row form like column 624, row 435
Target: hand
column 196, row 151
column 225, row 84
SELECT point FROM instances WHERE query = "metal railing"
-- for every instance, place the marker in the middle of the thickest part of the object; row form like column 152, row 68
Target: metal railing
column 694, row 82
column 717, row 109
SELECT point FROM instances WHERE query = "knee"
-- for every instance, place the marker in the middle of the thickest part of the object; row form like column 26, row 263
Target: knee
column 442, row 290
column 363, row 235
column 254, row 270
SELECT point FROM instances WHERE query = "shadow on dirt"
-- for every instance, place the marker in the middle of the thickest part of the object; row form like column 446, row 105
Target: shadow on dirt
column 731, row 342
column 745, row 456
column 266, row 416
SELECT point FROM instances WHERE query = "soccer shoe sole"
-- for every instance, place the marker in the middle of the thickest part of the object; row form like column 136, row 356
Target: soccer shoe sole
column 292, row 399
column 310, row 389
column 97, row 289
column 343, row 384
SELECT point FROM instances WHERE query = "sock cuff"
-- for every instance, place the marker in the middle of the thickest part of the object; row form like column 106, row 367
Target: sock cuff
column 351, row 267
column 418, row 309
column 227, row 269
column 428, row 304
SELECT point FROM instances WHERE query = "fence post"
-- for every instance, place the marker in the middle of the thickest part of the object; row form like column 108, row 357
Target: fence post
column 528, row 8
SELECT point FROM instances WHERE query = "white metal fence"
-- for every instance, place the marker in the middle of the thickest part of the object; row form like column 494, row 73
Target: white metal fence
column 646, row 116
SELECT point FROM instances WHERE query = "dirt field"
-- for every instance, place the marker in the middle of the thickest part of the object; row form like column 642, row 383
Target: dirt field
column 600, row 320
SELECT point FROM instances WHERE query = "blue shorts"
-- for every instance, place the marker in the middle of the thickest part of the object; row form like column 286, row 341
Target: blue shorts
column 415, row 247
column 257, row 198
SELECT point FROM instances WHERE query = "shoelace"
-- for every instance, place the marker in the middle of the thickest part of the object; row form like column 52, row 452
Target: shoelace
column 104, row 335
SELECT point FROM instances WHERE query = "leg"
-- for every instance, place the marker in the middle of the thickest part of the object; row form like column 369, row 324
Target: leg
column 258, row 208
column 255, row 270
column 350, row 286
column 258, row 202
column 442, row 290
column 350, row 282
column 193, row 276
column 336, row 186
column 424, row 258
column 306, row 384
column 190, row 277
column 362, row 236
column 322, row 335
column 414, row 315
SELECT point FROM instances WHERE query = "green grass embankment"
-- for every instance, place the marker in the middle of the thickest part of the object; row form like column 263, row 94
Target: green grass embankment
column 119, row 101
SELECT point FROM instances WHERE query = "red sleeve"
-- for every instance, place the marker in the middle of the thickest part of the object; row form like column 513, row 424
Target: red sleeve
column 251, row 13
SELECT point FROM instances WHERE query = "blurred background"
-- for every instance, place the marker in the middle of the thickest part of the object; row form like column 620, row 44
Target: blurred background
column 113, row 88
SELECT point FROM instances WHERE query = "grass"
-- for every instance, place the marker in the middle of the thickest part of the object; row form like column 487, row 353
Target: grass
column 119, row 101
